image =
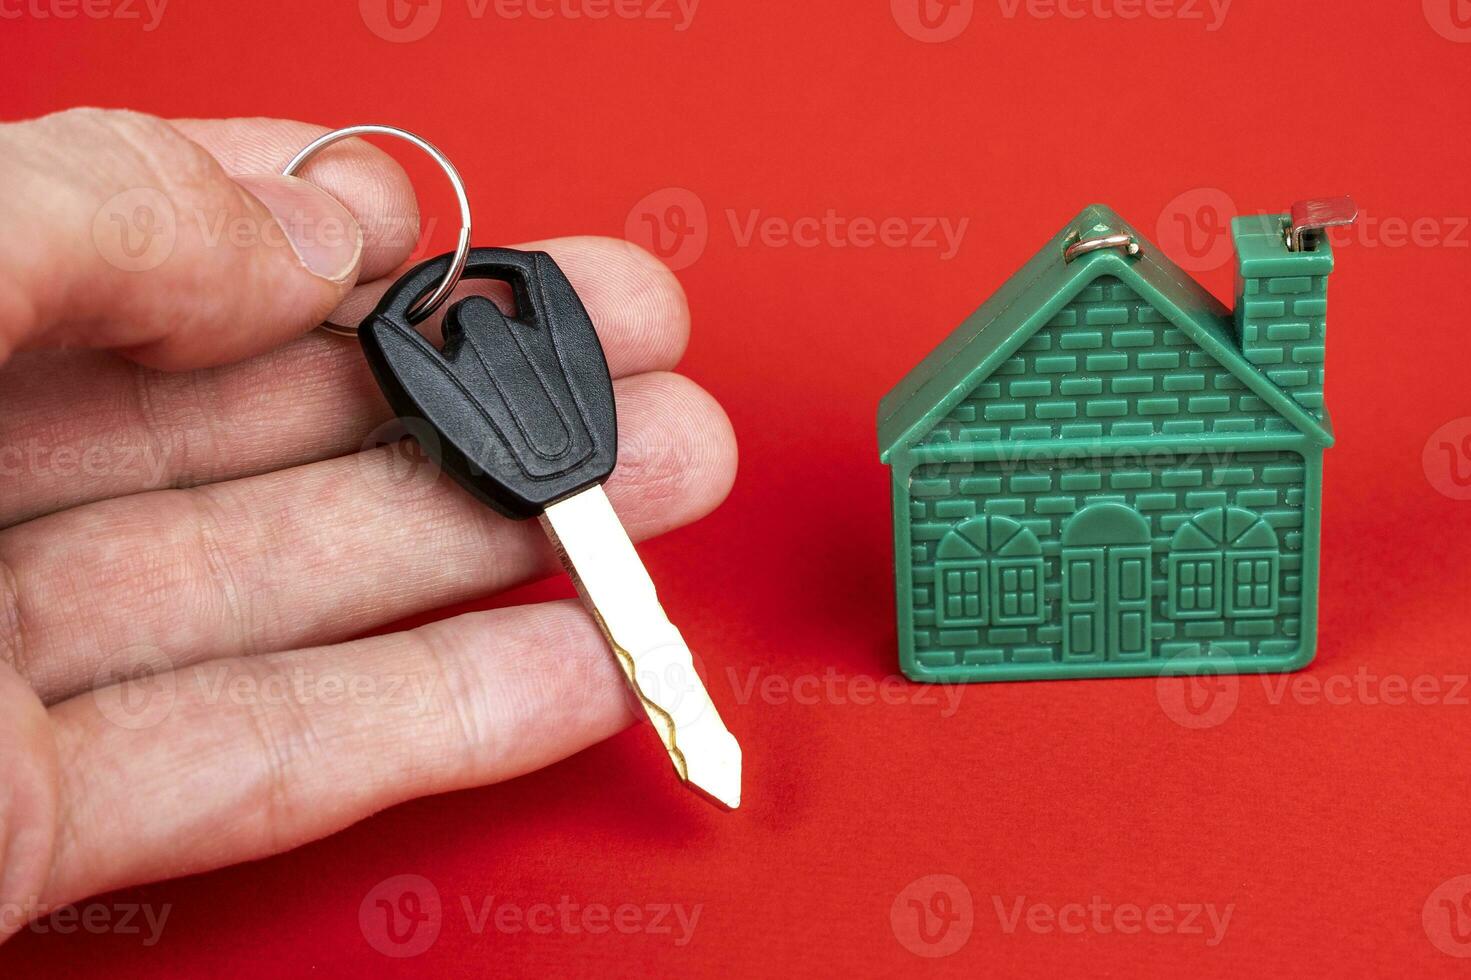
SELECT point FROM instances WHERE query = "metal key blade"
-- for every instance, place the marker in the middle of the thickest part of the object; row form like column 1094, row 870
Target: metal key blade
column 602, row 561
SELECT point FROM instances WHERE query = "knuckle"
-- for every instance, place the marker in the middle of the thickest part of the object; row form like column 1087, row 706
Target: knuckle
column 77, row 123
column 174, row 413
column 222, row 565
column 461, row 706
column 12, row 622
column 287, row 743
column 134, row 149
column 178, row 166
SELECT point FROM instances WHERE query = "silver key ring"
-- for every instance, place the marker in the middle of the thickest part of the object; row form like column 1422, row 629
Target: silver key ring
column 420, row 310
column 1077, row 245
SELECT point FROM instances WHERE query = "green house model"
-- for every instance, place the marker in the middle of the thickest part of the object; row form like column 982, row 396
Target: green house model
column 1103, row 472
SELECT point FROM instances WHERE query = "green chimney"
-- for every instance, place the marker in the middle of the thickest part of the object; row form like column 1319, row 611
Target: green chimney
column 1282, row 305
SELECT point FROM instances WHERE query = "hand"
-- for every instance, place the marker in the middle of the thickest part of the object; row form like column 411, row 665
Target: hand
column 191, row 532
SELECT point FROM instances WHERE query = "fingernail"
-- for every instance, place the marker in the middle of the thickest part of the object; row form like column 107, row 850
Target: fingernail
column 321, row 231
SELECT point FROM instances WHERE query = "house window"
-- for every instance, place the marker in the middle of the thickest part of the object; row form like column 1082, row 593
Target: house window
column 988, row 572
column 1016, row 591
column 1224, row 562
column 962, row 593
column 1195, row 585
column 1253, row 584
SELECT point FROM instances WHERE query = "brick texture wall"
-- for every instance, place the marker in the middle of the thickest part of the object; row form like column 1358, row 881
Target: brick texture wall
column 1041, row 493
column 1108, row 364
column 1282, row 322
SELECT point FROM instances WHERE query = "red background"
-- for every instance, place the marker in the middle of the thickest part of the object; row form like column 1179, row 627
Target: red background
column 1326, row 823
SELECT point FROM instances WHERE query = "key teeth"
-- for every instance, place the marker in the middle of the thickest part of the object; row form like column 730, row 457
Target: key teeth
column 709, row 761
column 660, row 718
column 650, row 651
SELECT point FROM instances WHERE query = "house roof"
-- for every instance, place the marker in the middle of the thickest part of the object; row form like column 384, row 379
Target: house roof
column 1031, row 297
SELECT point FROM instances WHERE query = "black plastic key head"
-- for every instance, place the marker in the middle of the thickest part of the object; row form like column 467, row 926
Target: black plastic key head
column 522, row 406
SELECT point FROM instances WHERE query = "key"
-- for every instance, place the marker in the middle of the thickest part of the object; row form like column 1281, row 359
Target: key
column 519, row 411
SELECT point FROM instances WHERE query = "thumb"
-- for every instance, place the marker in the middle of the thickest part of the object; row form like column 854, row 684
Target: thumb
column 322, row 232
column 119, row 232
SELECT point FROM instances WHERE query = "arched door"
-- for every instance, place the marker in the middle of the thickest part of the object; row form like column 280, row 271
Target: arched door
column 1106, row 584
